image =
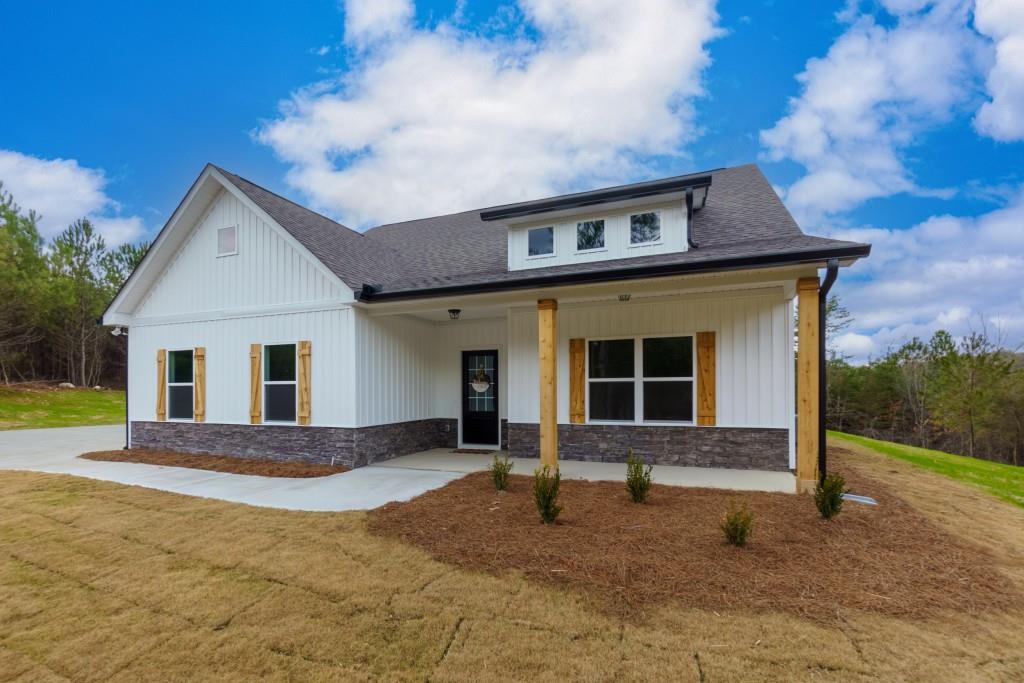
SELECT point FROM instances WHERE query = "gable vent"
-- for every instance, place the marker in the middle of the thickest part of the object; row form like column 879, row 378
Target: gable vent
column 227, row 241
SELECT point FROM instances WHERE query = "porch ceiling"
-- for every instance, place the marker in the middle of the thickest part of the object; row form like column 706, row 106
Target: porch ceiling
column 495, row 305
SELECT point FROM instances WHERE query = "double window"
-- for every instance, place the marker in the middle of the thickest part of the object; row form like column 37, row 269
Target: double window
column 640, row 379
column 280, row 394
column 180, row 385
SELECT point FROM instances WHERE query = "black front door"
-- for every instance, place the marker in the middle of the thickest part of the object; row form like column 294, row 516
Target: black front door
column 480, row 397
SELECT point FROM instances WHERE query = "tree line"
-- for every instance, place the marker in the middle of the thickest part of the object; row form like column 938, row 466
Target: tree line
column 51, row 295
column 962, row 396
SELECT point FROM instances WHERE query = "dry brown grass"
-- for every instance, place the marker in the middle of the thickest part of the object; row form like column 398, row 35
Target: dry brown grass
column 888, row 559
column 217, row 463
column 106, row 582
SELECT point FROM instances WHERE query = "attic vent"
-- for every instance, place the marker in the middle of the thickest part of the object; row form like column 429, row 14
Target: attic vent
column 227, row 241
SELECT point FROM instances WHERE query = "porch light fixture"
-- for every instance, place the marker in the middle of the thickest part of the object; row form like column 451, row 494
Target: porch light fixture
column 454, row 313
column 625, row 297
column 118, row 331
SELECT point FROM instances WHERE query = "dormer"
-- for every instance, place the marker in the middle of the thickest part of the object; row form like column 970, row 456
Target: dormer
column 622, row 222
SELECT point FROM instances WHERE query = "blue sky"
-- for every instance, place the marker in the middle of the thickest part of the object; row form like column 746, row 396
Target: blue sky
column 900, row 122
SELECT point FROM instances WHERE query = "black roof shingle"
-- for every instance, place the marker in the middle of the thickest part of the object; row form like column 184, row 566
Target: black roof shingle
column 743, row 220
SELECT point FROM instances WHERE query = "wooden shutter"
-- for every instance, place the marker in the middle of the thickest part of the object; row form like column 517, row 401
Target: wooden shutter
column 305, row 352
column 577, row 381
column 255, row 384
column 199, row 384
column 161, row 385
column 706, row 379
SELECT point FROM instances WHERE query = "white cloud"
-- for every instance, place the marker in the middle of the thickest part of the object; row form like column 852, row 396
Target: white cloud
column 947, row 272
column 1003, row 117
column 369, row 20
column 862, row 104
column 61, row 191
column 434, row 120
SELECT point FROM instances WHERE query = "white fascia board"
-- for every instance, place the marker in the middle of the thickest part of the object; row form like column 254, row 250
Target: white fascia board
column 149, row 267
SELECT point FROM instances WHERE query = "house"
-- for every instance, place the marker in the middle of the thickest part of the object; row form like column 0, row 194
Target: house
column 657, row 316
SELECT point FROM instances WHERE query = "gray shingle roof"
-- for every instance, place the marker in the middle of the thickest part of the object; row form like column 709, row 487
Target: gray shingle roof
column 743, row 218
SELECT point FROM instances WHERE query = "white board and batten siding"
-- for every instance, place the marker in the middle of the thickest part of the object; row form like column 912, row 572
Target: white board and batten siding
column 269, row 269
column 616, row 237
column 754, row 341
column 410, row 369
column 227, row 362
column 270, row 291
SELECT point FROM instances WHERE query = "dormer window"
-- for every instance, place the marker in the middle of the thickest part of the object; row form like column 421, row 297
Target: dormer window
column 645, row 228
column 541, row 242
column 590, row 235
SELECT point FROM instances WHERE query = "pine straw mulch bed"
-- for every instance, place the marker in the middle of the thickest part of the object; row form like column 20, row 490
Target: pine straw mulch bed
column 217, row 463
column 887, row 559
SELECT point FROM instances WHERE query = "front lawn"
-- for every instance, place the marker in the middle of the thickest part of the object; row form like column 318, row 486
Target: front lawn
column 1003, row 481
column 101, row 582
column 36, row 406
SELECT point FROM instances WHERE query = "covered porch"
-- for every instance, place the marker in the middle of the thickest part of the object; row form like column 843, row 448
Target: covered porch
column 742, row 413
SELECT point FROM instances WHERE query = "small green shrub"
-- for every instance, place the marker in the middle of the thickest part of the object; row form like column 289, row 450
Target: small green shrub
column 499, row 472
column 545, row 493
column 638, row 478
column 828, row 495
column 738, row 525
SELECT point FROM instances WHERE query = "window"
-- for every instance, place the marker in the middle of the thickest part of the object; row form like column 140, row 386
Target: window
column 179, row 385
column 645, row 228
column 590, row 235
column 640, row 379
column 541, row 242
column 227, row 241
column 668, row 379
column 279, row 382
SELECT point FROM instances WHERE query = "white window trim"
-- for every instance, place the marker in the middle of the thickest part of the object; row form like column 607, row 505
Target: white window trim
column 264, row 382
column 638, row 380
column 554, row 242
column 217, row 236
column 629, row 230
column 576, row 235
column 181, row 384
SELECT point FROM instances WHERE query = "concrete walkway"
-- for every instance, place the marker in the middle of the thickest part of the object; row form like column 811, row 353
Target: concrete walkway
column 56, row 451
column 443, row 460
column 364, row 488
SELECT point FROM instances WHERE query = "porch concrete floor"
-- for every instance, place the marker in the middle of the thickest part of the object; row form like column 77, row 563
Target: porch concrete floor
column 444, row 460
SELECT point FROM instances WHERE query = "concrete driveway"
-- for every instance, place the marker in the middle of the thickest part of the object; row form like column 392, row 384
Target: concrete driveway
column 56, row 451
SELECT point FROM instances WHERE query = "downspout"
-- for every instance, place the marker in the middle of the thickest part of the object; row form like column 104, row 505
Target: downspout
column 127, row 376
column 689, row 218
column 831, row 272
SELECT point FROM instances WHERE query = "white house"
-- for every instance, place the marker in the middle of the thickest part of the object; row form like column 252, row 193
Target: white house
column 657, row 316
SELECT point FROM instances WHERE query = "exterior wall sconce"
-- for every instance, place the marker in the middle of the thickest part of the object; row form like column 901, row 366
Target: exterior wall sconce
column 454, row 313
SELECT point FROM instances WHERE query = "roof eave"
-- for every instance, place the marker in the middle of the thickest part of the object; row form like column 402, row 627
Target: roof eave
column 584, row 199
column 371, row 294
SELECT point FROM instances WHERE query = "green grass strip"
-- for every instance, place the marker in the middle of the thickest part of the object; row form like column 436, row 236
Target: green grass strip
column 35, row 408
column 1000, row 480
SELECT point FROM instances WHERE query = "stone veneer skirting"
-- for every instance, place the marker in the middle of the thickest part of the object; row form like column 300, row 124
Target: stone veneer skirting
column 743, row 448
column 353, row 447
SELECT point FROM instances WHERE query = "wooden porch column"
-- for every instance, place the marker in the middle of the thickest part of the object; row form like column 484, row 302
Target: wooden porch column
column 807, row 385
column 547, row 350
